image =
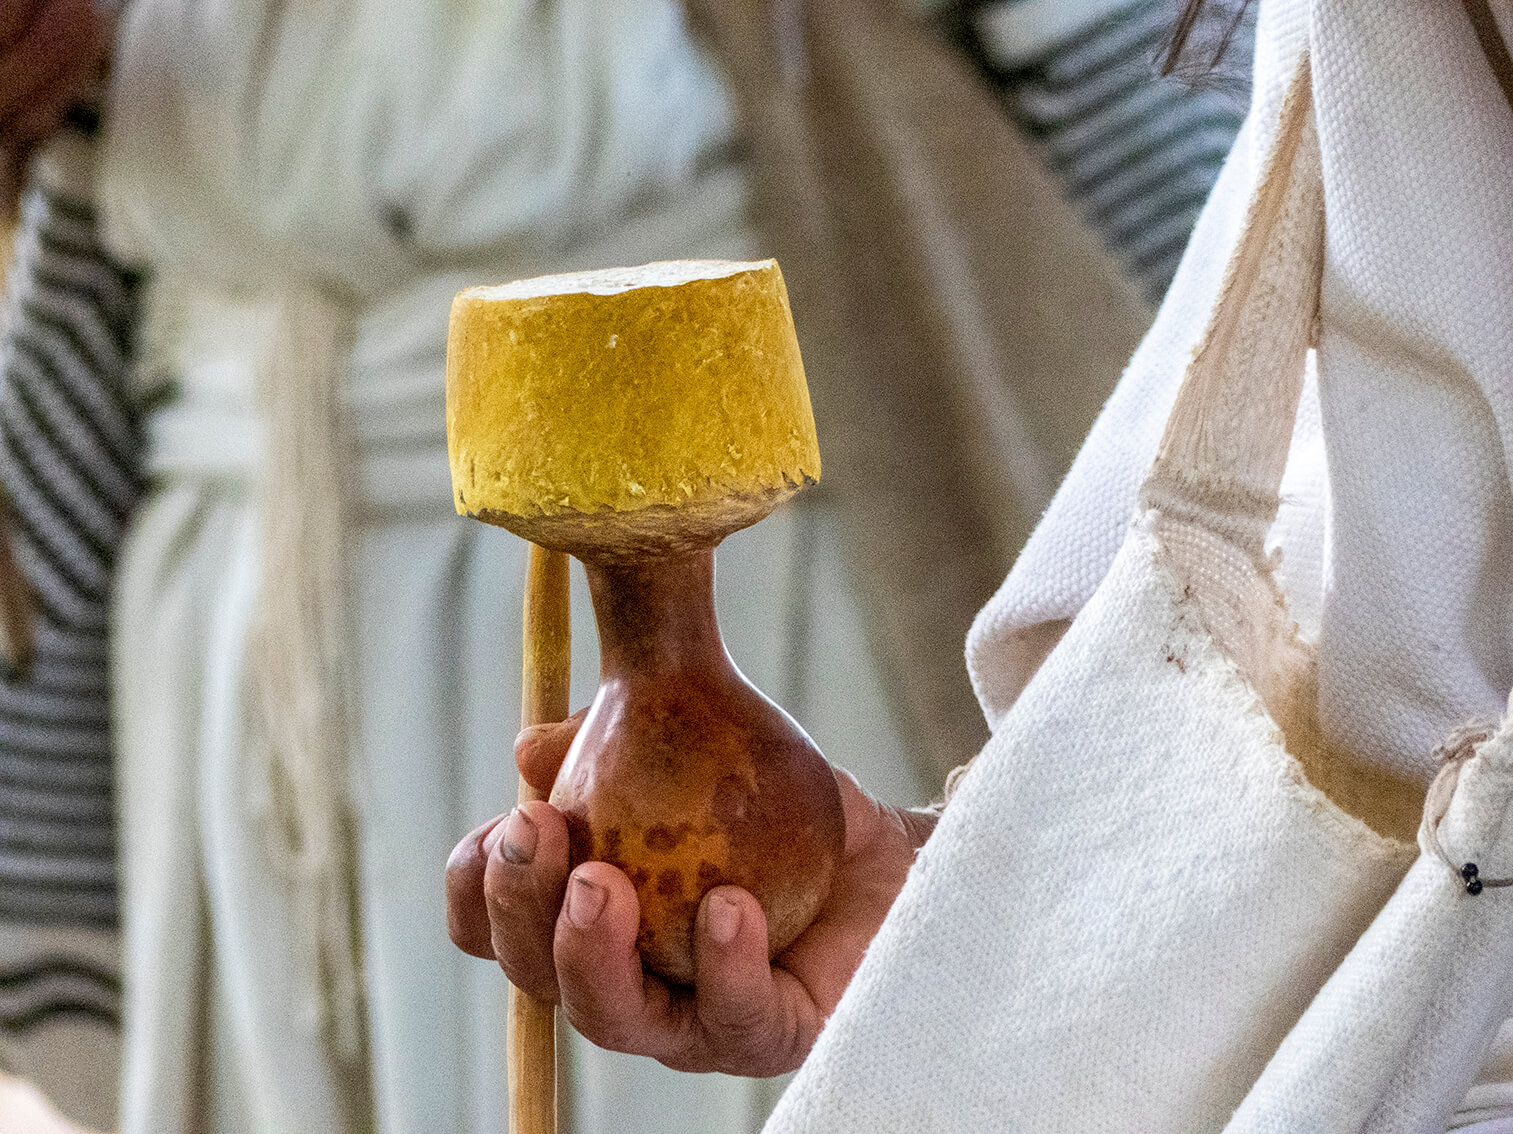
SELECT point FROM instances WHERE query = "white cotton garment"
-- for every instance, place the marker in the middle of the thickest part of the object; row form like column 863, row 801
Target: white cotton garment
column 384, row 156
column 1140, row 912
column 1397, row 522
column 1395, row 534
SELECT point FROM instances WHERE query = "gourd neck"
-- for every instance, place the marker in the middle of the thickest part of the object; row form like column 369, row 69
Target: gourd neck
column 656, row 615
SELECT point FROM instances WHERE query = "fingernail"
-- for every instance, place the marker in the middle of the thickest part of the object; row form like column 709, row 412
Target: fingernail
column 585, row 902
column 722, row 919
column 519, row 838
column 491, row 837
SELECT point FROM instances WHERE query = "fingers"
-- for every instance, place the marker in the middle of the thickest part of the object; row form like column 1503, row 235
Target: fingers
column 540, row 750
column 501, row 913
column 571, row 939
column 603, row 991
column 730, row 958
column 525, row 877
column 744, row 1018
column 868, row 822
column 754, row 1019
column 467, row 915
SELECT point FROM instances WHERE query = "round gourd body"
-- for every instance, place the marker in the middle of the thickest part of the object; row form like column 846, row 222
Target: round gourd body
column 689, row 784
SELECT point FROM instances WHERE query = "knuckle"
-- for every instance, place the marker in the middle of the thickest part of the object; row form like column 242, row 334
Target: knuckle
column 606, row 1015
column 527, row 963
column 763, row 1049
column 525, row 905
column 518, row 927
column 500, row 895
column 604, row 1027
column 531, row 980
column 742, row 1023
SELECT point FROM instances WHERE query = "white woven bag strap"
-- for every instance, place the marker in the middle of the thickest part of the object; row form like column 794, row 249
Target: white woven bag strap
column 1221, row 458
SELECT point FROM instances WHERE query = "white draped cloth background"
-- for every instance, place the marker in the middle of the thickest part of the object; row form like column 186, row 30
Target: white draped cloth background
column 1396, row 528
column 382, row 156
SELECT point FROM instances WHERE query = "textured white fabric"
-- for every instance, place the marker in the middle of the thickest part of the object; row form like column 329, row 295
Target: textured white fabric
column 1394, row 547
column 1073, row 545
column 1137, row 913
column 1036, row 975
column 1415, row 596
column 1394, row 1038
column 389, row 155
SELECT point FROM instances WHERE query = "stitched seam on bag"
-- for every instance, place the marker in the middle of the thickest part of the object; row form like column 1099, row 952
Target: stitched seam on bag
column 1207, row 464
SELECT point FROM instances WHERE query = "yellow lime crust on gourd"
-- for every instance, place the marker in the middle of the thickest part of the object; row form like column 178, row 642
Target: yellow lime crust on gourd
column 674, row 383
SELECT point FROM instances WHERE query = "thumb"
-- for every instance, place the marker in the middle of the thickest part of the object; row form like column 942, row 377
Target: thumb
column 540, row 750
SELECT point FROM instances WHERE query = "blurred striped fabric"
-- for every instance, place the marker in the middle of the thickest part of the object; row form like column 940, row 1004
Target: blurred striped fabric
column 44, row 987
column 1137, row 152
column 69, row 446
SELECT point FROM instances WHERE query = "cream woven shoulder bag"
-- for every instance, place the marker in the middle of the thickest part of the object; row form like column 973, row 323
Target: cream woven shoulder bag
column 1155, row 904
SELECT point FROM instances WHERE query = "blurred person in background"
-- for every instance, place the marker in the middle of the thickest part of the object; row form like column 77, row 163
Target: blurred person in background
column 315, row 661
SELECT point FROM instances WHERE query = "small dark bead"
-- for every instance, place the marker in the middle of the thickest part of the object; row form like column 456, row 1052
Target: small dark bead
column 1468, row 871
column 1473, row 887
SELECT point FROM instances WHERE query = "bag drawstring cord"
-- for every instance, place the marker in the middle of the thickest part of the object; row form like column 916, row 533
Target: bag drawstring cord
column 1453, row 755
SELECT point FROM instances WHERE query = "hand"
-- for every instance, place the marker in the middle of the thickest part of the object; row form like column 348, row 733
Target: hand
column 571, row 938
column 51, row 53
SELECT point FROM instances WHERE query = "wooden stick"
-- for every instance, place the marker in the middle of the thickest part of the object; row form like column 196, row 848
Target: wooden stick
column 544, row 699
